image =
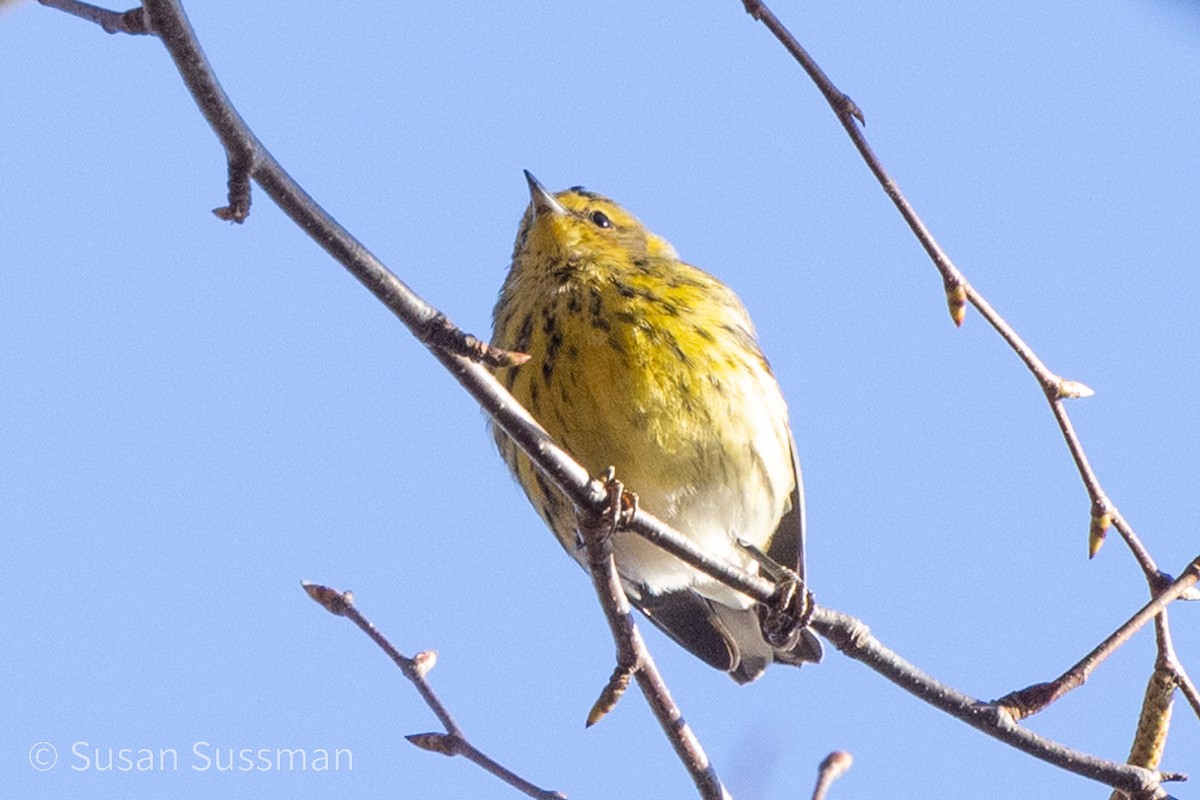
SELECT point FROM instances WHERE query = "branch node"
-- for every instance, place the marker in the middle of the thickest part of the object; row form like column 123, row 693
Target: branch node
column 133, row 21
column 1028, row 701
column 846, row 108
column 754, row 8
column 440, row 332
column 240, row 167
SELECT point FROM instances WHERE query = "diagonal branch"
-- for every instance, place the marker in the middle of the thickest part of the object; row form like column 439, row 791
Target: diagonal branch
column 1031, row 700
column 633, row 657
column 132, row 21
column 855, row 640
column 451, row 743
column 1169, row 661
column 959, row 291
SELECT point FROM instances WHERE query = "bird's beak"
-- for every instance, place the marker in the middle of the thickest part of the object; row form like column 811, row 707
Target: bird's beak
column 542, row 201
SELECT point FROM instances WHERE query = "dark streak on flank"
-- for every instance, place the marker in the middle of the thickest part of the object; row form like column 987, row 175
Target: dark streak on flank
column 595, row 311
column 675, row 347
column 524, row 334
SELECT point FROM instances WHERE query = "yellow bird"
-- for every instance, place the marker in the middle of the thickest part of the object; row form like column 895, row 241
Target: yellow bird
column 645, row 363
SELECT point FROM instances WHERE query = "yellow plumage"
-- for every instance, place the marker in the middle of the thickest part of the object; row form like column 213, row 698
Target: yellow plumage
column 648, row 364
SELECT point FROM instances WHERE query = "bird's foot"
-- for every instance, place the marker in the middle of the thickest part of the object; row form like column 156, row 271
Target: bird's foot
column 785, row 616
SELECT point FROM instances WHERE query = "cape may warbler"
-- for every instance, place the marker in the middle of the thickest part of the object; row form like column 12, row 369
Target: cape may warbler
column 645, row 363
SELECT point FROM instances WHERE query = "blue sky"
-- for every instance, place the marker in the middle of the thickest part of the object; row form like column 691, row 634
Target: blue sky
column 196, row 416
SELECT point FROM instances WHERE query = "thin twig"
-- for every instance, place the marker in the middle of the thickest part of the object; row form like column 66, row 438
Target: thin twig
column 850, row 116
column 1187, row 686
column 854, row 639
column 451, row 743
column 443, row 333
column 1168, row 660
column 1031, row 700
column 958, row 289
column 632, row 654
column 169, row 20
column 132, row 21
column 958, row 292
column 834, row 766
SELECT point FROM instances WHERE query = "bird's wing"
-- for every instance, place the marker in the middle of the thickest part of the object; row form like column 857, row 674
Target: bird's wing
column 787, row 543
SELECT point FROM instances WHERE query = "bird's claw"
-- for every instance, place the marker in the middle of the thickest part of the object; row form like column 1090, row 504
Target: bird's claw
column 784, row 617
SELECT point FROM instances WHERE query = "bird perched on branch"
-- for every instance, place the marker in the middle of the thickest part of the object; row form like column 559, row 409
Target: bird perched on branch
column 642, row 362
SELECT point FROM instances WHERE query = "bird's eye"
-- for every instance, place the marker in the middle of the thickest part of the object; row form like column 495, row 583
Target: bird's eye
column 601, row 220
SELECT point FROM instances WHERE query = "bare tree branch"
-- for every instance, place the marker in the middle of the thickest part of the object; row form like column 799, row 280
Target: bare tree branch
column 131, row 22
column 959, row 291
column 1033, row 699
column 451, row 743
column 854, row 639
column 1168, row 660
column 1103, row 512
column 459, row 353
column 633, row 657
